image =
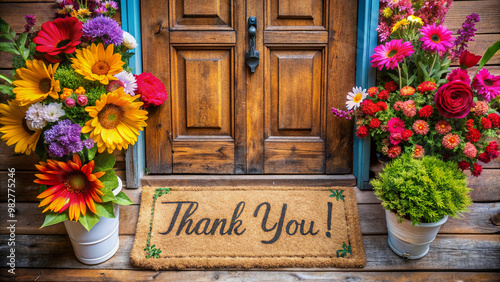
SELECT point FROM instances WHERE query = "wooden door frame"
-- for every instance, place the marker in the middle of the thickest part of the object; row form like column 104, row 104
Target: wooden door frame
column 367, row 24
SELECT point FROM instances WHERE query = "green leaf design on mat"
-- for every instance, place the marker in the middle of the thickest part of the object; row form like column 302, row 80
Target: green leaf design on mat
column 338, row 195
column 345, row 250
column 152, row 251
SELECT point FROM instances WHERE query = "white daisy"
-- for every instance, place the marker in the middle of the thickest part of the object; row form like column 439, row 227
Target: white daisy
column 129, row 82
column 355, row 98
column 52, row 112
column 34, row 117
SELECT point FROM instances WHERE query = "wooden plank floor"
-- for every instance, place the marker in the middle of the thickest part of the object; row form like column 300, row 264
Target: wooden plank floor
column 466, row 249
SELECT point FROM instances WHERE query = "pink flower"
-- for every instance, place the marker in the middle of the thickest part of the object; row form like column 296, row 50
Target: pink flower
column 436, row 38
column 391, row 54
column 395, row 138
column 151, row 89
column 443, row 127
column 459, row 74
column 421, row 127
column 470, row 150
column 480, row 108
column 454, row 99
column 486, row 84
column 82, row 100
column 395, row 125
column 69, row 102
column 450, row 141
column 418, row 152
column 409, row 108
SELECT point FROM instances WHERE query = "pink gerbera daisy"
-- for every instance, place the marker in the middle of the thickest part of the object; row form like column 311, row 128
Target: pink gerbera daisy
column 486, row 84
column 391, row 54
column 395, row 125
column 436, row 38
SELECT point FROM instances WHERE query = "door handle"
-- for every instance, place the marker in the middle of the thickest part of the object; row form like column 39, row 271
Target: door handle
column 252, row 55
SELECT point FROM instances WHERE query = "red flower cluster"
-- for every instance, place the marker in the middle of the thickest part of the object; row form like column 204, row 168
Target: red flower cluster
column 470, row 124
column 485, row 123
column 374, row 123
column 491, row 152
column 370, row 108
column 426, row 86
column 151, row 89
column 495, row 120
column 383, row 95
column 425, row 112
column 477, row 169
column 463, row 165
column 473, row 135
column 362, row 131
column 372, row 91
column 391, row 86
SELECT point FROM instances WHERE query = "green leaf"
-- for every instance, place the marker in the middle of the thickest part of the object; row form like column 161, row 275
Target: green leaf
column 89, row 220
column 105, row 209
column 123, row 199
column 394, row 77
column 52, row 218
column 9, row 47
column 43, row 188
column 104, row 162
column 490, row 52
column 6, row 89
column 110, row 182
column 90, row 153
column 21, row 40
column 6, row 31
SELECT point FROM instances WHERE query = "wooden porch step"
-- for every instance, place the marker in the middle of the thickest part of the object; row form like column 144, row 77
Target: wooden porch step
column 249, row 180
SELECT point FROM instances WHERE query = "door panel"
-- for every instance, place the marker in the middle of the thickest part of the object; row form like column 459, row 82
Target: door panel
column 221, row 118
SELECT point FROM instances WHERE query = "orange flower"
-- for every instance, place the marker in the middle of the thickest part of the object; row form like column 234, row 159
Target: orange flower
column 71, row 185
column 407, row 91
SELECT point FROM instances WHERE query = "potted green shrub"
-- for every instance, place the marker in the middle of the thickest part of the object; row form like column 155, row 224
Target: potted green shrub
column 418, row 196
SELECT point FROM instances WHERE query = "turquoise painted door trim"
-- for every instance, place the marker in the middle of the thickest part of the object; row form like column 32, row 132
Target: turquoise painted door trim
column 365, row 77
column 136, row 155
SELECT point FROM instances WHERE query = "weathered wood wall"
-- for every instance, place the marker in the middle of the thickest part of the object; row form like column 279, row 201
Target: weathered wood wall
column 13, row 12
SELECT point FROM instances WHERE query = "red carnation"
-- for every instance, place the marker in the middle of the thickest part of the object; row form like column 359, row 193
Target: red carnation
column 470, row 124
column 425, row 112
column 484, row 157
column 151, row 89
column 383, row 95
column 463, row 165
column 374, row 123
column 492, row 150
column 382, row 106
column 426, row 86
column 474, row 135
column 485, row 123
column 407, row 134
column 468, row 60
column 368, row 107
column 372, row 91
column 362, row 131
column 391, row 86
column 59, row 36
column 495, row 120
column 477, row 169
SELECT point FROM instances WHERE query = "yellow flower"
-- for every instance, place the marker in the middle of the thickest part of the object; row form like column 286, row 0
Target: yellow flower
column 15, row 129
column 84, row 12
column 97, row 63
column 399, row 24
column 36, row 82
column 80, row 91
column 116, row 121
column 387, row 12
column 414, row 19
column 66, row 93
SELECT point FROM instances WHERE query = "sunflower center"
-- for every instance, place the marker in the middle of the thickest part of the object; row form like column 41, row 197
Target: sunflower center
column 435, row 38
column 76, row 182
column 488, row 82
column 110, row 116
column 100, row 68
column 392, row 53
column 63, row 43
column 45, row 85
column 357, row 98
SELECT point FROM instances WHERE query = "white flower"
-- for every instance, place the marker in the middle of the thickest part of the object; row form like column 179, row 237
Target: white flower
column 34, row 117
column 355, row 98
column 129, row 82
column 129, row 41
column 52, row 112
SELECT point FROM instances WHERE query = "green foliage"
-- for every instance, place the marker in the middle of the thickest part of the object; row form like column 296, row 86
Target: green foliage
column 13, row 45
column 490, row 52
column 422, row 190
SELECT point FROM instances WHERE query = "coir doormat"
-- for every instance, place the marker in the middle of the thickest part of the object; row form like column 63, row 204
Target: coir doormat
column 261, row 227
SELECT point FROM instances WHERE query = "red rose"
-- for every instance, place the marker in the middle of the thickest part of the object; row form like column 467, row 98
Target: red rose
column 468, row 60
column 454, row 99
column 362, row 131
column 425, row 112
column 151, row 89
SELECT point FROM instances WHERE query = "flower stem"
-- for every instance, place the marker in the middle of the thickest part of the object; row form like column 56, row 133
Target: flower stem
column 399, row 71
column 433, row 62
column 6, row 79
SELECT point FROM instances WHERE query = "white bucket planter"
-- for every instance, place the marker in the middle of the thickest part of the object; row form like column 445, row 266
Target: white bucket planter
column 101, row 242
column 411, row 241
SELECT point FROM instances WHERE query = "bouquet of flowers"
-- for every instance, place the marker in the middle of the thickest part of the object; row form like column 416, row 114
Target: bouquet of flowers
column 74, row 102
column 421, row 105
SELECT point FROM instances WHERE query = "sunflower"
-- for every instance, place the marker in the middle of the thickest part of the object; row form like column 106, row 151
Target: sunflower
column 116, row 120
column 15, row 128
column 36, row 82
column 71, row 184
column 97, row 63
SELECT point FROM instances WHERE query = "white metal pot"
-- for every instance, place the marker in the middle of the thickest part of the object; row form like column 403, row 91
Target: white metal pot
column 101, row 242
column 411, row 241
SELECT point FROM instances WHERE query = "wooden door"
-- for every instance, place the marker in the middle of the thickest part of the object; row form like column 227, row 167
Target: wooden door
column 222, row 119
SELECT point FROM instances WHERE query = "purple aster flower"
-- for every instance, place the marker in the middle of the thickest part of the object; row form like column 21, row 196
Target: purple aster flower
column 65, row 138
column 30, row 22
column 465, row 34
column 104, row 28
column 111, row 4
column 342, row 114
